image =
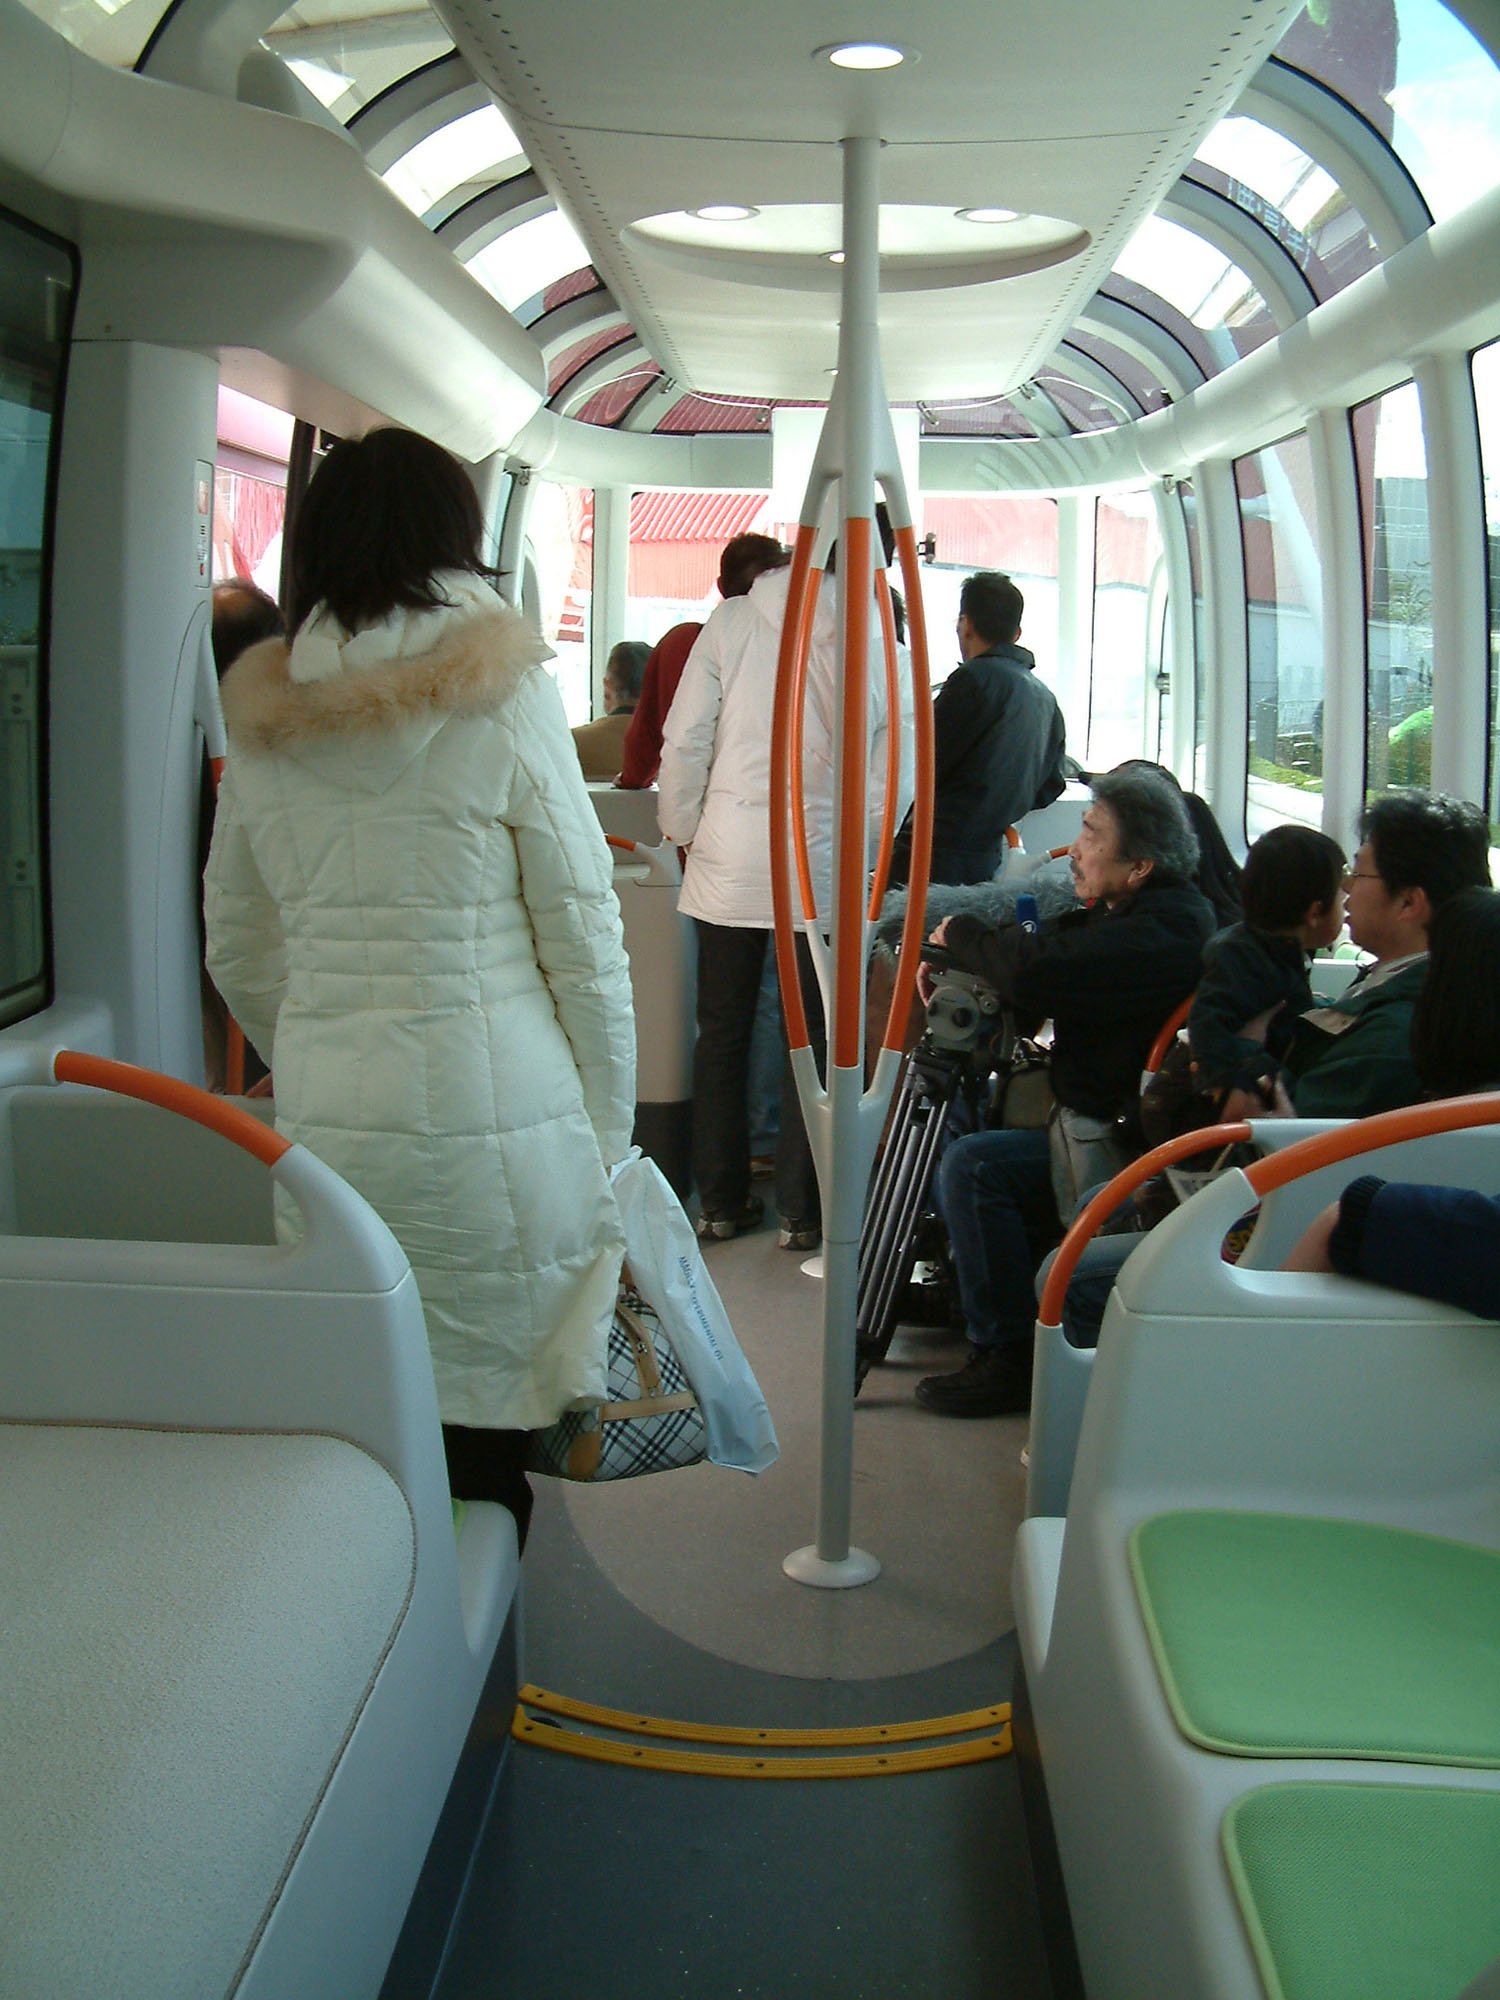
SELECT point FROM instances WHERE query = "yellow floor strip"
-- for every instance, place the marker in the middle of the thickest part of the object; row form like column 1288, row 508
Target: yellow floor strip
column 647, row 1757
column 531, row 1696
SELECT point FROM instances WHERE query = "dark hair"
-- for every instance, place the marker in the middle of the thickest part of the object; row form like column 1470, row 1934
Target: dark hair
column 242, row 616
column 1286, row 872
column 746, row 558
column 381, row 517
column 993, row 605
column 1426, row 840
column 626, row 667
column 1455, row 1030
column 1217, row 874
column 1152, row 819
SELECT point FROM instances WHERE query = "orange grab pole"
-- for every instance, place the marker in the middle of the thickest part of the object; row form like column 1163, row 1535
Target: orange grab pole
column 892, row 746
column 850, row 943
column 127, row 1080
column 799, row 710
column 1210, row 1138
column 792, row 632
column 1386, row 1128
column 1168, row 1035
column 1012, row 837
column 921, row 826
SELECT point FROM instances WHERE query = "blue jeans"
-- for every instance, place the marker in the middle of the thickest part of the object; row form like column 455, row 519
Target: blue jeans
column 994, row 1192
column 1093, row 1280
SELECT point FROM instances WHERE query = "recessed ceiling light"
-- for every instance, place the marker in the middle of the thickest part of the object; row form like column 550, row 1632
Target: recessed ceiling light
column 835, row 256
column 862, row 55
column 724, row 211
column 988, row 214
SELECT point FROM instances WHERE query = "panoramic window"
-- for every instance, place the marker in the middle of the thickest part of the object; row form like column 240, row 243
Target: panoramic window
column 347, row 58
column 675, row 541
column 1487, row 397
column 525, row 260
column 107, row 30
column 1189, row 273
column 472, row 149
column 1284, row 600
column 36, row 286
column 1421, row 79
column 1303, row 207
column 1392, row 458
column 250, row 490
column 560, row 549
column 1013, row 532
column 1129, row 609
column 1199, row 780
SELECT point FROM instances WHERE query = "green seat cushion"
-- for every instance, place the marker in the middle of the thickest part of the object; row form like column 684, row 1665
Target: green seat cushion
column 1367, row 1892
column 1284, row 1635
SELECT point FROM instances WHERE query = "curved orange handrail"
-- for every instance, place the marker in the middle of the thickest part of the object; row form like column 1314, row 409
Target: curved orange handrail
column 1167, row 1035
column 1386, row 1128
column 892, row 746
column 127, row 1080
column 849, row 945
column 1108, row 1199
column 795, row 627
column 922, row 806
column 1057, row 853
column 1012, row 837
column 619, row 840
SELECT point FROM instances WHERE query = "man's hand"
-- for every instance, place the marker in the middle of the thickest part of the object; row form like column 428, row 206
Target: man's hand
column 924, row 971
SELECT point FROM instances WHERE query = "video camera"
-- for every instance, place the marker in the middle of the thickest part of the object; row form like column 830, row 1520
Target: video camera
column 964, row 1012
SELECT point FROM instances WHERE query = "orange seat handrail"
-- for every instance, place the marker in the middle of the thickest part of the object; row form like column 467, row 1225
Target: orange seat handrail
column 1168, row 1034
column 1364, row 1135
column 172, row 1094
column 1012, row 837
column 1108, row 1199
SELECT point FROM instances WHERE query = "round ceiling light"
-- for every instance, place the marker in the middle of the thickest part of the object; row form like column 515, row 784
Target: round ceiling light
column 989, row 214
column 862, row 55
column 725, row 211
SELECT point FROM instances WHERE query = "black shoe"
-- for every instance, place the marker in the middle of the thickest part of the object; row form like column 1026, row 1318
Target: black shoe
column 993, row 1382
column 798, row 1233
column 717, row 1224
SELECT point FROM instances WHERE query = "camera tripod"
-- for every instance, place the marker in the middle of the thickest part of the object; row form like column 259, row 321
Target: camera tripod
column 953, row 1059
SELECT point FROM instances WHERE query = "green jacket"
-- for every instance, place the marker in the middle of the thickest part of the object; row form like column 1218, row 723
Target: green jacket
column 1353, row 1071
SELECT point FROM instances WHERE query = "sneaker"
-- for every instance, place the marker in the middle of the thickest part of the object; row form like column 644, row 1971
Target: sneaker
column 799, row 1234
column 993, row 1382
column 716, row 1224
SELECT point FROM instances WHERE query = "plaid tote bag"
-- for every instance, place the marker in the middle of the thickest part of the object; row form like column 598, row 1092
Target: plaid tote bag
column 651, row 1421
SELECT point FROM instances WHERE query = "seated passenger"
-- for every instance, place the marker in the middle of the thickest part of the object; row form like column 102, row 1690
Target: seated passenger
column 1455, row 1051
column 1354, row 1057
column 1439, row 1242
column 601, row 743
column 1254, row 983
column 1107, row 976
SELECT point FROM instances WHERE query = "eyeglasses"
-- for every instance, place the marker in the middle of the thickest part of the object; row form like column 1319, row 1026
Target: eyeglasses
column 1356, row 875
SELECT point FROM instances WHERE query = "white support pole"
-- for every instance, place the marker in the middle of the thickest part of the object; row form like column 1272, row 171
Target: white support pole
column 842, row 1137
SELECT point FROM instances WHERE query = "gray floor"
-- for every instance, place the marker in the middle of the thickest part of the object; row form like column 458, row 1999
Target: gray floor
column 666, row 1595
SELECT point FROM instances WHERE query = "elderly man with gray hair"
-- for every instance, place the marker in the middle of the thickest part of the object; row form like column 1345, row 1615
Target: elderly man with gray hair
column 1107, row 976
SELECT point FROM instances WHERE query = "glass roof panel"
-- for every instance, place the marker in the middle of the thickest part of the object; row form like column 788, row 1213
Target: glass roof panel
column 474, row 148
column 1080, row 403
column 1190, row 274
column 1133, row 375
column 524, row 260
column 346, row 57
column 112, row 31
column 1423, row 82
column 987, row 416
column 1289, row 194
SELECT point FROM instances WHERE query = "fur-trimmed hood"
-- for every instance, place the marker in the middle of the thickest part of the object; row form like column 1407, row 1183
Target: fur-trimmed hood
column 367, row 723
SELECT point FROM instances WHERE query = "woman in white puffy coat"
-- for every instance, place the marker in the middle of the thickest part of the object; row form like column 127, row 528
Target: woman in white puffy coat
column 410, row 914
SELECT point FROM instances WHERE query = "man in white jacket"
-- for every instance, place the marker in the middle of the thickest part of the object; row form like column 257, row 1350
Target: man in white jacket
column 714, row 799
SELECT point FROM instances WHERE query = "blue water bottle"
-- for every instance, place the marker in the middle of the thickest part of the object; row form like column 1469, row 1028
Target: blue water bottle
column 1027, row 914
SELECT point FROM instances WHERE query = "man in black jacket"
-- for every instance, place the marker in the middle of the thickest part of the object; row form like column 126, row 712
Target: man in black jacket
column 999, row 739
column 1107, row 976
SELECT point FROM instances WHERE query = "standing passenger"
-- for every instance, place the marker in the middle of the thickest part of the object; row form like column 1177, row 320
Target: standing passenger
column 409, row 909
column 742, row 560
column 715, row 800
column 998, row 739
